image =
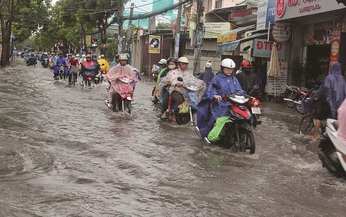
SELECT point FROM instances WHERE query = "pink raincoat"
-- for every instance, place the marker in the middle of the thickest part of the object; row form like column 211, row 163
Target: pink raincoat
column 341, row 133
column 121, row 72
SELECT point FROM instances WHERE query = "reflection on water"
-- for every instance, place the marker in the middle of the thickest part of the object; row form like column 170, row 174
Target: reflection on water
column 63, row 153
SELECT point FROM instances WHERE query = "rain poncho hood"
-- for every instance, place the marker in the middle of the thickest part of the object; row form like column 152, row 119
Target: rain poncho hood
column 119, row 71
column 104, row 66
column 333, row 89
column 171, row 79
column 209, row 109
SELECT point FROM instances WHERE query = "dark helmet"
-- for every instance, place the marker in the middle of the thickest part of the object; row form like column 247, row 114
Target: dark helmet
column 246, row 64
column 172, row 59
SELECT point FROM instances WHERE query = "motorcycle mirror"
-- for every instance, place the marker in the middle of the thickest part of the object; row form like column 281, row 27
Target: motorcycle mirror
column 217, row 87
column 180, row 79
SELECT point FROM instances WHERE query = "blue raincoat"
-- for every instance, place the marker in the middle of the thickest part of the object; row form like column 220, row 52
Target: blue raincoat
column 333, row 89
column 209, row 109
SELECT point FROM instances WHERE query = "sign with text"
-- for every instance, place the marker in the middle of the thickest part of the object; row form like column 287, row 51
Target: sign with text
column 226, row 38
column 277, row 86
column 280, row 32
column 288, row 9
column 263, row 48
column 335, row 45
column 214, row 29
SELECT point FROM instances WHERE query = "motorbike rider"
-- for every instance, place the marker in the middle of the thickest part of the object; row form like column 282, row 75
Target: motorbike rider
column 207, row 74
column 61, row 60
column 246, row 76
column 175, row 87
column 118, row 71
column 52, row 61
column 87, row 63
column 115, row 62
column 73, row 64
column 44, row 55
column 171, row 65
column 104, row 65
column 212, row 106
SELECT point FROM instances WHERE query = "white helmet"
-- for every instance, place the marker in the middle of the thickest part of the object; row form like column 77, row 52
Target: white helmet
column 77, row 55
column 208, row 65
column 183, row 60
column 163, row 61
column 123, row 56
column 228, row 63
column 83, row 55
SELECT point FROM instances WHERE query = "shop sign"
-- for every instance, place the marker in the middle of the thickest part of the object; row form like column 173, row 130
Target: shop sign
column 88, row 40
column 280, row 8
column 263, row 48
column 226, row 38
column 318, row 34
column 287, row 9
column 214, row 29
column 244, row 13
column 335, row 45
column 280, row 32
column 265, row 14
column 277, row 86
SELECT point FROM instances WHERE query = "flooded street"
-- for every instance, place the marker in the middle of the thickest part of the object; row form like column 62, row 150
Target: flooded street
column 63, row 153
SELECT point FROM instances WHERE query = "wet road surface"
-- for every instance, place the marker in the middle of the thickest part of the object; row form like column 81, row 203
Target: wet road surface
column 63, row 153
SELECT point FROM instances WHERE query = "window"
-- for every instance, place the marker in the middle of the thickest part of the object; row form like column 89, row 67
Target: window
column 218, row 4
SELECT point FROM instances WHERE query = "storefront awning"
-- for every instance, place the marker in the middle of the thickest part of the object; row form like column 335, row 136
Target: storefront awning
column 231, row 46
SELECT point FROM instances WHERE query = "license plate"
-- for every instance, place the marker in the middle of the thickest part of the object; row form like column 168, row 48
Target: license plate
column 256, row 110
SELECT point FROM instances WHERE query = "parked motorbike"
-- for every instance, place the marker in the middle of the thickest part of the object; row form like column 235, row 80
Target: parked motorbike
column 237, row 131
column 302, row 94
column 332, row 152
column 31, row 62
column 290, row 95
column 45, row 62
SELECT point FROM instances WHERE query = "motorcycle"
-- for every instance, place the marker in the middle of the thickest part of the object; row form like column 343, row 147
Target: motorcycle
column 332, row 152
column 290, row 95
column 237, row 131
column 61, row 73
column 90, row 74
column 302, row 94
column 45, row 62
column 122, row 97
column 185, row 113
column 31, row 62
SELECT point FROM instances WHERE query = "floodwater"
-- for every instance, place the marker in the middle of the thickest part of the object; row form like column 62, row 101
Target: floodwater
column 63, row 153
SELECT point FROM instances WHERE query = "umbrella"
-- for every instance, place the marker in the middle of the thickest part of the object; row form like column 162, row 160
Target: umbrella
column 274, row 68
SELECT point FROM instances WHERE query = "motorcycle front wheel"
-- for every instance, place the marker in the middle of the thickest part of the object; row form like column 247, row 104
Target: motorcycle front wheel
column 246, row 141
column 329, row 158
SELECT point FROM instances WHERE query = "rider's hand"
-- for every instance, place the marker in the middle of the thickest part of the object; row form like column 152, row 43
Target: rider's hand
column 217, row 97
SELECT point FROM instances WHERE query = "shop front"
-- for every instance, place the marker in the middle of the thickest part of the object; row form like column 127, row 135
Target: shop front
column 318, row 38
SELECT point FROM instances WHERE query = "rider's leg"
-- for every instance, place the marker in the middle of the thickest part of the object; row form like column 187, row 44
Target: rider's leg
column 164, row 103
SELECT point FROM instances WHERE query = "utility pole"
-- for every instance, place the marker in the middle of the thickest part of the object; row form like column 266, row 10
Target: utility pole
column 199, row 32
column 120, row 26
column 177, row 32
column 129, row 33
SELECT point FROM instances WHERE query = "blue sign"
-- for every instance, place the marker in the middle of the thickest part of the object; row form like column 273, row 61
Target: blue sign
column 270, row 12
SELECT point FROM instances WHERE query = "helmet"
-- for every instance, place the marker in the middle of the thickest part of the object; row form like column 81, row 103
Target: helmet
column 117, row 56
column 83, row 55
column 102, row 56
column 183, row 60
column 123, row 56
column 246, row 64
column 69, row 54
column 208, row 64
column 77, row 55
column 88, row 55
column 228, row 63
column 172, row 59
column 163, row 61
